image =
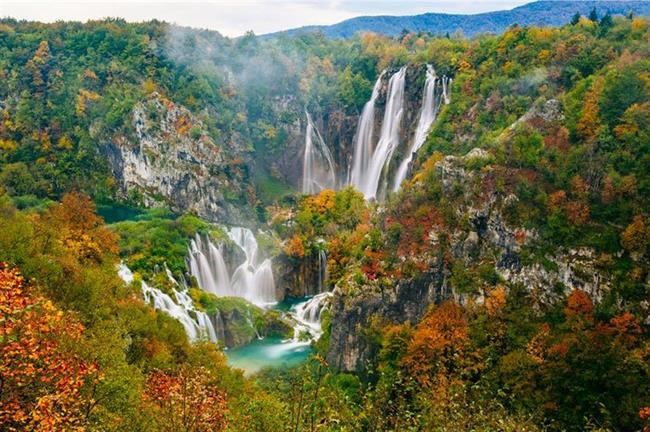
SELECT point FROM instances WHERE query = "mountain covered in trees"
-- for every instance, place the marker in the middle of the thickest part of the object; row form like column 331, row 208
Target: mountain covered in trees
column 538, row 13
column 503, row 285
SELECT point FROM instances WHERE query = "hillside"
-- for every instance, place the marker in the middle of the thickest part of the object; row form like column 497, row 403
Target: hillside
column 413, row 233
column 539, row 13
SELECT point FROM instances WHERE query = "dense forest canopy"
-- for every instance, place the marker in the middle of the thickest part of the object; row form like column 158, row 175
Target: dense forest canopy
column 504, row 286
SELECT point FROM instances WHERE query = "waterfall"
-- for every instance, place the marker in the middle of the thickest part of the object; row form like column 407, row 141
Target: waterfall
column 428, row 114
column 179, row 309
column 251, row 280
column 322, row 269
column 388, row 138
column 308, row 313
column 208, row 266
column 318, row 165
column 363, row 144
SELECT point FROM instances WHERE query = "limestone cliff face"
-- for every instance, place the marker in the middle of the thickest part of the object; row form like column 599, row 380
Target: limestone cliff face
column 169, row 158
column 486, row 237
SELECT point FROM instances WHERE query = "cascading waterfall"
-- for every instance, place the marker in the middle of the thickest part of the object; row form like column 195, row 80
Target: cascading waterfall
column 307, row 314
column 389, row 136
column 363, row 144
column 250, row 280
column 198, row 328
column 318, row 165
column 208, row 266
column 430, row 106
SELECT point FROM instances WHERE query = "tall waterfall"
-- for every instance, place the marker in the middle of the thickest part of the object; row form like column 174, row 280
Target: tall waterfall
column 251, row 280
column 182, row 309
column 389, row 137
column 363, row 145
column 428, row 113
column 318, row 165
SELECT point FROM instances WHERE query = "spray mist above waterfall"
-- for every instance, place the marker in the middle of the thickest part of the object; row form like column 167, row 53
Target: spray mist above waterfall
column 251, row 280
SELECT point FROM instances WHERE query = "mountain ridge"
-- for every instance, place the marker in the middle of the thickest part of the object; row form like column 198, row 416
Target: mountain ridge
column 471, row 24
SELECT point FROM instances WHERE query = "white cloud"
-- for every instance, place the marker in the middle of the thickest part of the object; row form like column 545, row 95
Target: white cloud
column 234, row 17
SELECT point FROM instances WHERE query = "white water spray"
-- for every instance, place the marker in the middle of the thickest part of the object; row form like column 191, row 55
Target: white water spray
column 428, row 112
column 251, row 280
column 389, row 137
column 198, row 328
column 363, row 145
column 318, row 165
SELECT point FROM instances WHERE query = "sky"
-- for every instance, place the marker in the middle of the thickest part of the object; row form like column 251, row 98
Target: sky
column 235, row 17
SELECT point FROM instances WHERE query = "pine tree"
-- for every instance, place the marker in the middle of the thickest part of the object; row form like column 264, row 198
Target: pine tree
column 606, row 23
column 593, row 15
column 576, row 18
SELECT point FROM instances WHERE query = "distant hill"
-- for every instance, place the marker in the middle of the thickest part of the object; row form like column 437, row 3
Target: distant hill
column 541, row 13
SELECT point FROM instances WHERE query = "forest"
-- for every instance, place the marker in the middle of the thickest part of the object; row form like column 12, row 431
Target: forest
column 503, row 285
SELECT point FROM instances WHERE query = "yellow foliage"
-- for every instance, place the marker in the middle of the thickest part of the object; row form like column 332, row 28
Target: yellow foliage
column 589, row 124
column 90, row 74
column 82, row 98
column 8, row 145
column 65, row 143
column 149, row 86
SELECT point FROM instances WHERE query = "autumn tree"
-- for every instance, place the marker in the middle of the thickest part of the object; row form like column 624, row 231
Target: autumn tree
column 43, row 385
column 186, row 401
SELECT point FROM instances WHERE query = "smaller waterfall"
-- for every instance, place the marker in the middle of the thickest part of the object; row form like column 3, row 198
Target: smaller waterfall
column 208, row 266
column 446, row 89
column 389, row 137
column 308, row 313
column 318, row 165
column 251, row 280
column 322, row 269
column 363, row 145
column 179, row 309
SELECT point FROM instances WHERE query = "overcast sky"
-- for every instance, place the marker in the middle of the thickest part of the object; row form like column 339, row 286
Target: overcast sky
column 234, row 17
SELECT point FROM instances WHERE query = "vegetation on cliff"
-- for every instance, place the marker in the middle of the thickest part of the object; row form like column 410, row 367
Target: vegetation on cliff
column 504, row 287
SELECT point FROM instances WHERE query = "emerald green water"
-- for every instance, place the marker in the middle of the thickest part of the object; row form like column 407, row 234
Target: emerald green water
column 268, row 352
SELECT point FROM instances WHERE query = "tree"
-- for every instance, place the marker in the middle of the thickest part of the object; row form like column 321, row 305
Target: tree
column 42, row 383
column 186, row 401
column 593, row 15
column 576, row 18
column 606, row 22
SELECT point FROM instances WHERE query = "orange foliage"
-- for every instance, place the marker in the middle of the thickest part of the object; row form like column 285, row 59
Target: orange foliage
column 41, row 382
column 85, row 235
column 578, row 303
column 436, row 344
column 556, row 199
column 294, row 247
column 589, row 124
column 186, row 401
column 495, row 301
column 322, row 202
column 636, row 237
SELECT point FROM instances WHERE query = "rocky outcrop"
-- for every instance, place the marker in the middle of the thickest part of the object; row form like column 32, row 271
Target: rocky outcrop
column 169, row 158
column 486, row 237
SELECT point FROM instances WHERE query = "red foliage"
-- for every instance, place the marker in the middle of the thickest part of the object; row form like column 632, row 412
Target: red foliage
column 41, row 383
column 186, row 401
